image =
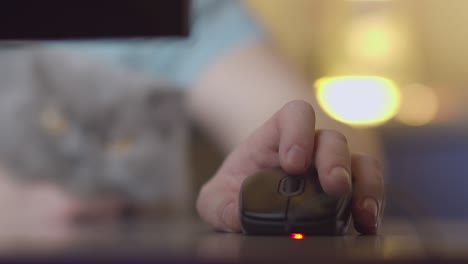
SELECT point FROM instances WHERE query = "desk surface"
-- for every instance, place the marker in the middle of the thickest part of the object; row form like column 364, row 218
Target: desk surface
column 192, row 241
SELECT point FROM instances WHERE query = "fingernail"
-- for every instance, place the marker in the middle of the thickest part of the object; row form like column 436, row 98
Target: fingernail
column 228, row 217
column 342, row 179
column 296, row 157
column 370, row 206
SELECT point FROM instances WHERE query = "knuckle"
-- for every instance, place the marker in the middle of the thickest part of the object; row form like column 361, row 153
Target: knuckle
column 332, row 150
column 375, row 163
column 379, row 180
column 299, row 106
column 373, row 169
column 332, row 134
column 368, row 159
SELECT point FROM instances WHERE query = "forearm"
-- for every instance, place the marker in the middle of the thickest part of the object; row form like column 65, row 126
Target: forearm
column 241, row 90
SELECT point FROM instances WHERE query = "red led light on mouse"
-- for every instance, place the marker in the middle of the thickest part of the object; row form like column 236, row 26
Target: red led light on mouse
column 297, row 236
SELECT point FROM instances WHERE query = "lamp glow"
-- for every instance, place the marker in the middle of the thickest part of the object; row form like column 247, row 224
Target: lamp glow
column 358, row 100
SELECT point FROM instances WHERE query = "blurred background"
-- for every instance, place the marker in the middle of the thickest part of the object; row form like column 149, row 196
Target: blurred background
column 396, row 66
column 409, row 56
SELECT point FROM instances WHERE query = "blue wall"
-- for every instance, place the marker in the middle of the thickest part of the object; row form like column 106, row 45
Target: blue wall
column 427, row 171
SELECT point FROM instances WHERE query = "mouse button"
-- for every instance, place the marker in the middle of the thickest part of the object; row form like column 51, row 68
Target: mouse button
column 344, row 207
column 259, row 198
column 329, row 227
column 311, row 207
column 313, row 204
column 262, row 227
column 312, row 181
column 291, row 185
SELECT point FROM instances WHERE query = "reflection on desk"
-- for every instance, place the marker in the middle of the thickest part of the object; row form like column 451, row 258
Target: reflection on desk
column 192, row 241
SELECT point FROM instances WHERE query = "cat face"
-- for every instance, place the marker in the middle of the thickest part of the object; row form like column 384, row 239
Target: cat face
column 94, row 139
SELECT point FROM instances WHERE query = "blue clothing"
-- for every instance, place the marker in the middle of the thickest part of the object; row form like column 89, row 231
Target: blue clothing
column 216, row 26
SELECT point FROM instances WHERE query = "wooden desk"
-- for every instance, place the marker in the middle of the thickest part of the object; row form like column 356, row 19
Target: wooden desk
column 191, row 241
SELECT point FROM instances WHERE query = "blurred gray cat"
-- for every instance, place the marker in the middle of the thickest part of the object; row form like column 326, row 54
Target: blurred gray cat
column 89, row 127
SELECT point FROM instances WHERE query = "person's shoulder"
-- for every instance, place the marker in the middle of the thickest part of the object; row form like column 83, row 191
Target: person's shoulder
column 220, row 10
column 217, row 27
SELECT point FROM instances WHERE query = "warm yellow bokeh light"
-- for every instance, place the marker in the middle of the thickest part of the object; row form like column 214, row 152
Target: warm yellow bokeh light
column 419, row 105
column 375, row 40
column 358, row 100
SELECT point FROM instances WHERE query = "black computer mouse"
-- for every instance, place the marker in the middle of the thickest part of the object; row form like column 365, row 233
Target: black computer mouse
column 272, row 202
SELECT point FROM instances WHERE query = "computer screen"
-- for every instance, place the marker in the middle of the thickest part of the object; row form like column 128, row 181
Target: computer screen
column 91, row 19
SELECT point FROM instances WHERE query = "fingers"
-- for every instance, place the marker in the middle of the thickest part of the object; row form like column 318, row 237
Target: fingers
column 100, row 209
column 367, row 207
column 296, row 123
column 289, row 140
column 286, row 140
column 51, row 204
column 44, row 212
column 333, row 161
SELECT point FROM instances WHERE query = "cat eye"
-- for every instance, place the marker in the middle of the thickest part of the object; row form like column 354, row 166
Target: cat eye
column 120, row 146
column 53, row 121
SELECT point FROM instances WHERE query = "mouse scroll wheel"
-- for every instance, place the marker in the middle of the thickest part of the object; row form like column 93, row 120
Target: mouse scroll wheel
column 291, row 185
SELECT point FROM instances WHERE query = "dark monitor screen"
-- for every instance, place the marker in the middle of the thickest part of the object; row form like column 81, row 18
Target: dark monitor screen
column 91, row 19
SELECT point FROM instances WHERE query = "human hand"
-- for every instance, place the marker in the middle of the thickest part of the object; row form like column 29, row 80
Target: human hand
column 289, row 140
column 45, row 215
